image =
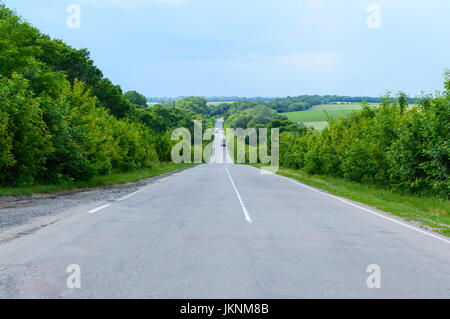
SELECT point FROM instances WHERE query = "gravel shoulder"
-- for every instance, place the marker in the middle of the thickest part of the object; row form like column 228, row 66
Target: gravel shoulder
column 21, row 215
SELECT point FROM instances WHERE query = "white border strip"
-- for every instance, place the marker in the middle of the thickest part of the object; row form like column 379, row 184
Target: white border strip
column 365, row 209
column 246, row 214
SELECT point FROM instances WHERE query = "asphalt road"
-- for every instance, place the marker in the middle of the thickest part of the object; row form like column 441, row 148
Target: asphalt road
column 226, row 231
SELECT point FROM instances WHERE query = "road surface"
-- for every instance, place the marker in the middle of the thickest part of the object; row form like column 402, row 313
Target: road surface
column 225, row 231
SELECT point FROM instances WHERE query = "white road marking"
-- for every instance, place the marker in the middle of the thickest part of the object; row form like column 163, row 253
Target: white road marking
column 98, row 208
column 132, row 194
column 246, row 214
column 119, row 200
column 365, row 209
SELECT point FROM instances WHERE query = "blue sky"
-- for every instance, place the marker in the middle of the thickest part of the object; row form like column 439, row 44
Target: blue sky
column 256, row 47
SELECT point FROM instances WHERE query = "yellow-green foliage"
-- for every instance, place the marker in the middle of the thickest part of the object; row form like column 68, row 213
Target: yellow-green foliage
column 61, row 121
column 24, row 133
column 66, row 137
column 52, row 127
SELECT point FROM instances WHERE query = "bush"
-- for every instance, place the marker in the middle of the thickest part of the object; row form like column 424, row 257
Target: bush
column 24, row 133
column 407, row 150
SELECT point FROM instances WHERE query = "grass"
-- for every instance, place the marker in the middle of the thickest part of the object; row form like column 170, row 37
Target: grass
column 428, row 212
column 316, row 125
column 344, row 106
column 101, row 180
column 316, row 116
column 340, row 106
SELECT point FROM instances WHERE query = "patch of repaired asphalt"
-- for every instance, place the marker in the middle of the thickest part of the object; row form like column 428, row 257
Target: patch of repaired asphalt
column 25, row 214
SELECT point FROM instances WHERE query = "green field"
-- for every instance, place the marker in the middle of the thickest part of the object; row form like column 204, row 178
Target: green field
column 318, row 126
column 217, row 103
column 318, row 118
column 340, row 106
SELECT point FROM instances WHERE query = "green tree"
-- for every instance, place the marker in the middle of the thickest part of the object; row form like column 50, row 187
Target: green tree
column 195, row 104
column 136, row 98
column 110, row 96
column 402, row 101
column 25, row 128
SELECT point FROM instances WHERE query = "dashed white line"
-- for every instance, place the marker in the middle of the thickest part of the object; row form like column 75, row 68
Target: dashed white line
column 246, row 214
column 98, row 209
column 132, row 194
column 365, row 209
column 119, row 200
column 129, row 195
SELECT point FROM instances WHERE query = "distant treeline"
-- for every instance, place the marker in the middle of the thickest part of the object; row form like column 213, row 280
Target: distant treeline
column 305, row 102
column 211, row 99
column 286, row 104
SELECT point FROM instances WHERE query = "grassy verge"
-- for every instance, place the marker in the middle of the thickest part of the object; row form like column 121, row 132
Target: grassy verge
column 429, row 212
column 102, row 180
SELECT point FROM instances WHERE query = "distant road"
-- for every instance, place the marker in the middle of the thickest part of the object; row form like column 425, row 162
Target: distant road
column 226, row 231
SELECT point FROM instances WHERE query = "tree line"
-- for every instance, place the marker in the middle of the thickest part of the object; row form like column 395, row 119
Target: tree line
column 287, row 104
column 62, row 120
column 305, row 102
column 223, row 99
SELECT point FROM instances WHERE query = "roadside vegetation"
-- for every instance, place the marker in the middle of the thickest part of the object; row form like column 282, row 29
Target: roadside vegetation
column 62, row 122
column 391, row 146
column 115, row 178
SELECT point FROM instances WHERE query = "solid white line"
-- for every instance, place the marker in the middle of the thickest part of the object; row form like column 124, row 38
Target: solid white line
column 246, row 214
column 98, row 208
column 365, row 209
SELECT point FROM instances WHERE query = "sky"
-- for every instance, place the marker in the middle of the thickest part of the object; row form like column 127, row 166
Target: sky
column 276, row 48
